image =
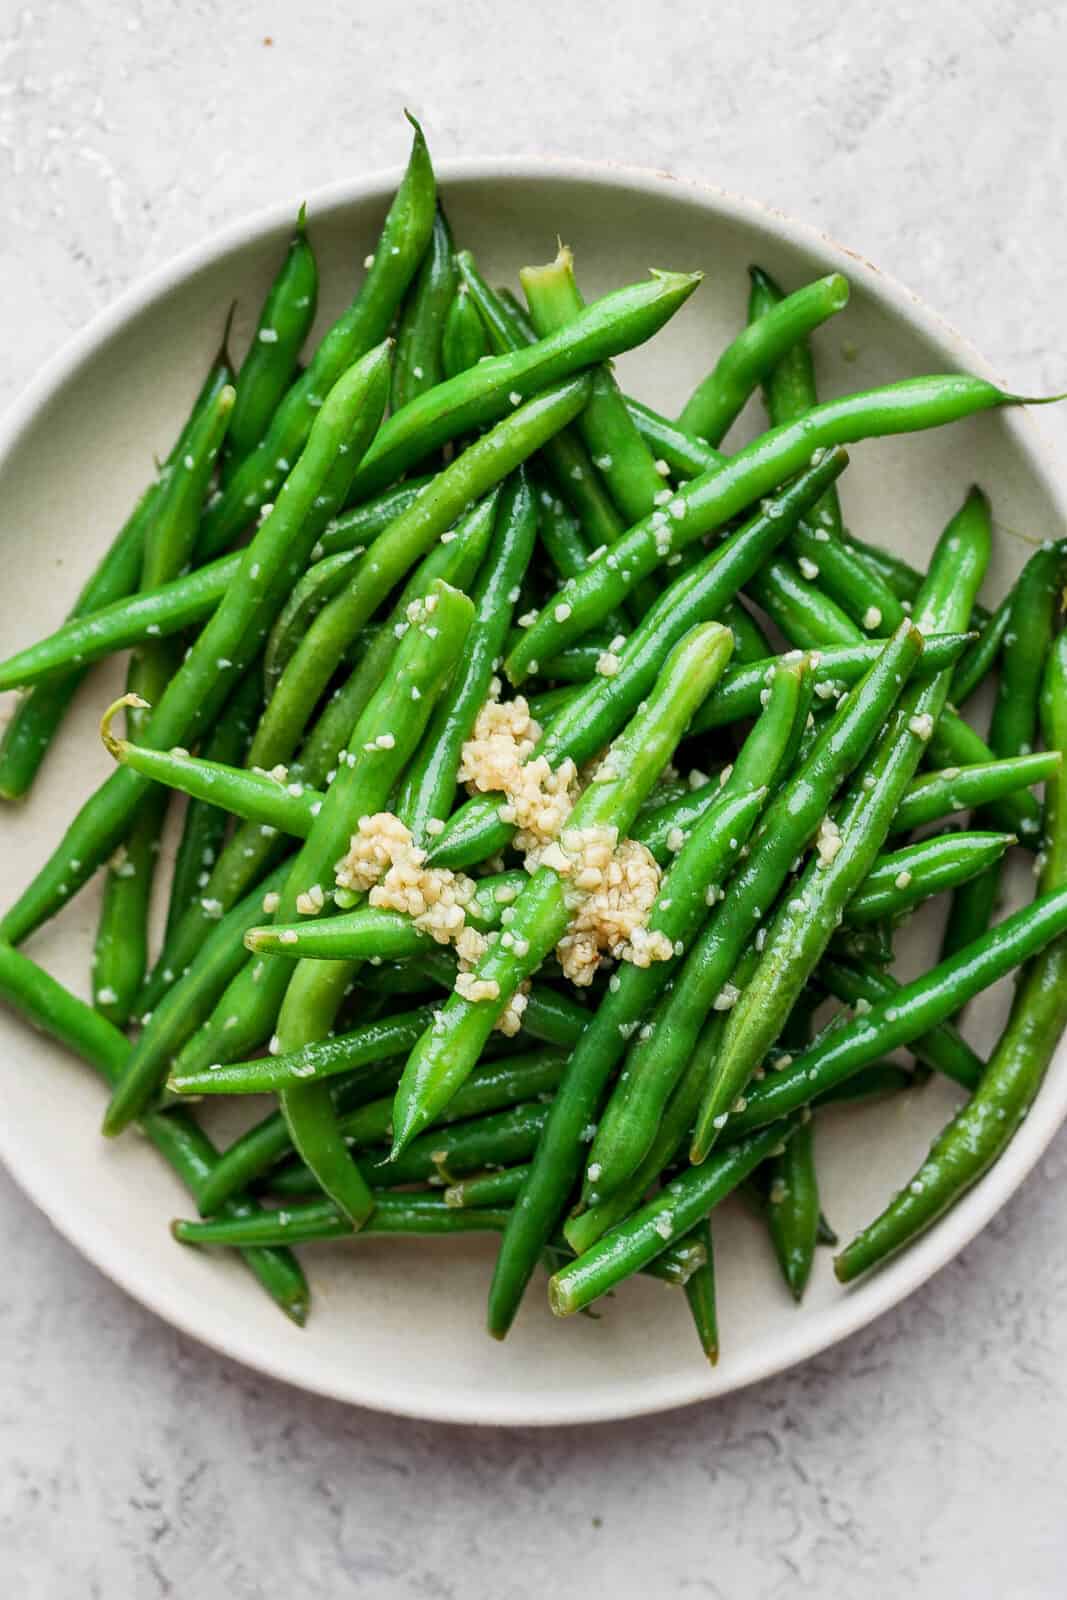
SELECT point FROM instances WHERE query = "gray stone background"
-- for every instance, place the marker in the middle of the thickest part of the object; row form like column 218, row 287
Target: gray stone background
column 924, row 1457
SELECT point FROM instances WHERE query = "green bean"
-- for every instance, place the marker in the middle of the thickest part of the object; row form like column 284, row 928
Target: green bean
column 588, row 721
column 1035, row 603
column 900, row 879
column 793, row 1209
column 942, row 1048
column 789, row 392
column 356, row 332
column 120, row 949
column 183, row 1145
column 487, row 1188
column 483, row 465
column 455, row 560
column 120, row 954
column 657, row 1061
column 955, row 744
column 183, row 1007
column 716, row 402
column 875, row 1082
column 606, row 426
column 39, row 713
column 267, row 1142
column 463, row 339
column 576, row 478
column 910, row 1011
column 611, row 325
column 314, row 590
column 493, row 1086
column 675, row 1266
column 418, row 365
column 429, row 787
column 974, row 667
column 200, row 686
column 700, row 1295
column 980, row 1132
column 706, row 502
column 157, row 614
column 360, row 525
column 846, row 848
column 379, row 748
column 205, row 825
column 939, row 794
column 700, row 865
column 319, row 1059
column 445, row 1054
column 808, row 617
column 439, row 1154
column 750, row 641
column 679, row 1206
column 268, row 367
column 583, row 1229
column 421, row 1215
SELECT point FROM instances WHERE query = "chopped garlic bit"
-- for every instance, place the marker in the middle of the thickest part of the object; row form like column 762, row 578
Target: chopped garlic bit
column 828, row 841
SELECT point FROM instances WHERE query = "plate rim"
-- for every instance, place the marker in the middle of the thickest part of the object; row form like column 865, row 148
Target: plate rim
column 861, row 1304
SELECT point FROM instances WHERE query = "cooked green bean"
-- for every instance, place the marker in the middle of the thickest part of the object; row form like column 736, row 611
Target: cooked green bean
column 588, row 721
column 718, row 400
column 225, row 648
column 700, row 865
column 463, row 340
column 979, row 1133
column 900, row 879
column 848, row 843
column 679, row 1206
column 939, row 794
column 421, row 1215
column 706, row 981
column 942, row 1048
column 445, row 1054
column 704, row 503
column 176, row 1135
column 418, row 366
column 358, row 330
column 268, row 367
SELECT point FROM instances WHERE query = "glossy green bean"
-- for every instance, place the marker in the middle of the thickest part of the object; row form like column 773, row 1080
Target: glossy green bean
column 429, row 788
column 699, row 866
column 420, row 1215
column 187, row 1002
column 718, row 400
column 942, row 1048
column 577, row 480
column 358, row 330
column 846, row 848
column 700, row 1295
column 706, row 502
column 615, row 323
column 588, row 721
column 418, row 366
column 793, row 1209
column 980, row 1132
column 679, row 1206
column 225, row 648
column 483, row 465
column 939, row 794
column 463, row 338
column 270, row 362
column 900, row 879
column 182, row 1143
column 617, row 449
column 975, row 666
column 706, row 982
column 444, row 1056
column 205, row 825
column 487, row 1188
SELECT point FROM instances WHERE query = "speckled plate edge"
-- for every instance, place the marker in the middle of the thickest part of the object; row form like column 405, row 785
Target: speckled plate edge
column 867, row 1300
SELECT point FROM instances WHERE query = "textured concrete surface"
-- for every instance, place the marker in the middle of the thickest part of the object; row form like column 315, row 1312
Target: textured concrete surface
column 923, row 1458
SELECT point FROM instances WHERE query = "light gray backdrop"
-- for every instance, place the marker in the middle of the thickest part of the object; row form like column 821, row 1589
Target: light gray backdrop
column 925, row 1457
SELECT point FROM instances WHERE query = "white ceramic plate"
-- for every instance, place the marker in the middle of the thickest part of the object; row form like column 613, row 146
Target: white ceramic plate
column 398, row 1325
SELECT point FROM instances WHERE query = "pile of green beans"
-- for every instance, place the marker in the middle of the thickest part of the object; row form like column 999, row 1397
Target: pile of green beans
column 558, row 783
